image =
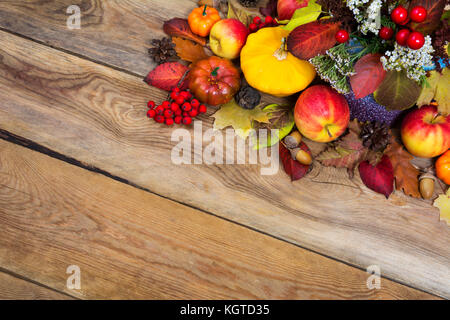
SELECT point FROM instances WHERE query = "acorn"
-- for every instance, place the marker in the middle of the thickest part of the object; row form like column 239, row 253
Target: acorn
column 301, row 156
column 426, row 185
column 293, row 139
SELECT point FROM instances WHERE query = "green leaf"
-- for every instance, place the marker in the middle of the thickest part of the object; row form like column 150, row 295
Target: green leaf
column 281, row 118
column 397, row 91
column 304, row 15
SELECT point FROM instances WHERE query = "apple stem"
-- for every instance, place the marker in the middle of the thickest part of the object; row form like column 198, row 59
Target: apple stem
column 214, row 72
column 204, row 10
column 437, row 115
column 328, row 131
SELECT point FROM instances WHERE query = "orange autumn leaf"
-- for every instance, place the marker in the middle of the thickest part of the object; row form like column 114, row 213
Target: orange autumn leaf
column 406, row 175
column 188, row 50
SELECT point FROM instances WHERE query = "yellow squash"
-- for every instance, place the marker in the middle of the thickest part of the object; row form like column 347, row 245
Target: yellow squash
column 270, row 68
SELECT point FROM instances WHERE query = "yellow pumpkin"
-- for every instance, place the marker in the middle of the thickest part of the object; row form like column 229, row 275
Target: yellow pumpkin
column 270, row 68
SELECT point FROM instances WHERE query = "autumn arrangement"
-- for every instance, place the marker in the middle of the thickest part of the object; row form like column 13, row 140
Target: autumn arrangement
column 369, row 80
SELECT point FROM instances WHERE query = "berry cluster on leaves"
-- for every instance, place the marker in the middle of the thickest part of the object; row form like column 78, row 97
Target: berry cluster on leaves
column 180, row 108
column 258, row 23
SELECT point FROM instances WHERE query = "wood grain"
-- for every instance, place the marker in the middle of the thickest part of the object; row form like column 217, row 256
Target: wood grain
column 115, row 32
column 97, row 115
column 143, row 246
column 12, row 288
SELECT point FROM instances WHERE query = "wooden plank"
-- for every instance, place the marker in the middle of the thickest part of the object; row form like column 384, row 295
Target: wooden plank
column 97, row 115
column 12, row 288
column 129, row 243
column 115, row 32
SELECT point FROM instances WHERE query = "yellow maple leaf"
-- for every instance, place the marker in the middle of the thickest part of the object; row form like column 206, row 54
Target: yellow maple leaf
column 437, row 89
column 231, row 114
column 443, row 203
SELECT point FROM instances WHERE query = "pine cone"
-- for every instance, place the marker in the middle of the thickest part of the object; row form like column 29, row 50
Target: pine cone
column 375, row 136
column 248, row 3
column 163, row 51
column 248, row 97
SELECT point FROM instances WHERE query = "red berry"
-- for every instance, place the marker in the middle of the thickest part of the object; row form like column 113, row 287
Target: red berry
column 256, row 20
column 187, row 120
column 399, row 15
column 252, row 27
column 166, row 104
column 151, row 113
column 179, row 100
column 185, row 114
column 159, row 118
column 176, row 89
column 174, row 107
column 261, row 25
column 342, row 36
column 195, row 103
column 169, row 121
column 193, row 113
column 168, row 113
column 178, row 119
column 202, row 108
column 151, row 104
column 179, row 112
column 186, row 106
column 386, row 33
column 186, row 95
column 415, row 40
column 174, row 95
column 268, row 20
column 159, row 110
column 402, row 36
column 418, row 14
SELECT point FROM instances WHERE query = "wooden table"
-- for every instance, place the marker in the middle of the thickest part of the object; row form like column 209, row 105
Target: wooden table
column 86, row 179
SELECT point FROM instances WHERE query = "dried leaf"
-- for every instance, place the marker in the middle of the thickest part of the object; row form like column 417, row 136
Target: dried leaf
column 312, row 39
column 292, row 167
column 397, row 91
column 369, row 75
column 231, row 114
column 304, row 15
column 239, row 13
column 405, row 174
column 166, row 76
column 188, row 50
column 443, row 203
column 379, row 178
column 270, row 9
column 178, row 27
column 348, row 151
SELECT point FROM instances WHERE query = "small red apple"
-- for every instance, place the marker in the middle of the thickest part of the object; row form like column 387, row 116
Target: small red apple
column 425, row 132
column 227, row 38
column 321, row 113
column 286, row 8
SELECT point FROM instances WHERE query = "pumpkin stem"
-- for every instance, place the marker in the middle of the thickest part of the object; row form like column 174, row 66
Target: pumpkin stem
column 214, row 72
column 204, row 10
column 281, row 52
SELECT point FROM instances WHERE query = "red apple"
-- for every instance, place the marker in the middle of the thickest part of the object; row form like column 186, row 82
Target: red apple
column 425, row 132
column 321, row 113
column 286, row 8
column 227, row 38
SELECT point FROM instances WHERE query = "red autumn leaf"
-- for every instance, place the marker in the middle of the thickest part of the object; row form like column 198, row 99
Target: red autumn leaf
column 292, row 167
column 369, row 75
column 178, row 27
column 311, row 39
column 379, row 178
column 435, row 9
column 167, row 75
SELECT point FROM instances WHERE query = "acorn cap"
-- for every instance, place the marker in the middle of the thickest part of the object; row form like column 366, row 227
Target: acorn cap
column 427, row 175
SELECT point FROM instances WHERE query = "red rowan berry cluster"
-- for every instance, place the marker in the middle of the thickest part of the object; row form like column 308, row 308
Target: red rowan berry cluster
column 181, row 107
column 258, row 23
